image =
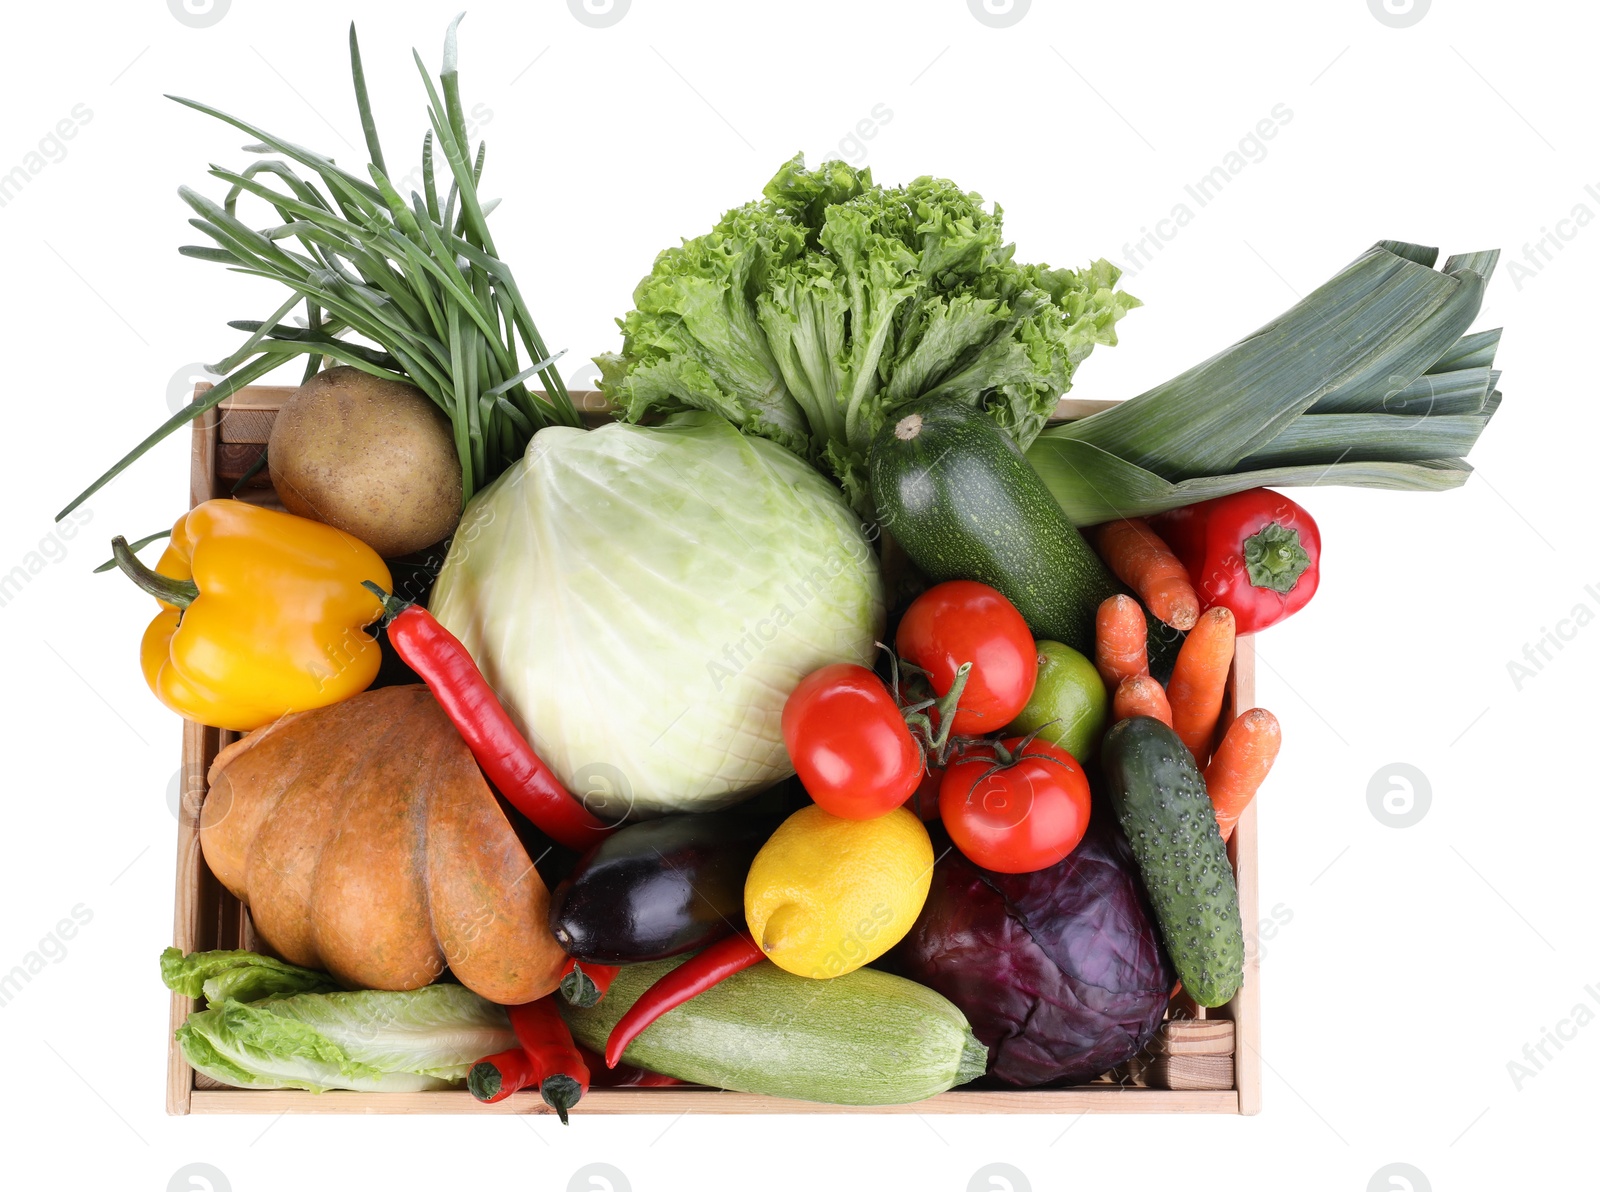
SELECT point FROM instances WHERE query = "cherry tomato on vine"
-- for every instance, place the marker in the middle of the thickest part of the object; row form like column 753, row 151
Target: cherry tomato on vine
column 965, row 621
column 1017, row 816
column 849, row 743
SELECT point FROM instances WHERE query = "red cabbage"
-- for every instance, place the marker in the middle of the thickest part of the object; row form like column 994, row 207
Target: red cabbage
column 1060, row 972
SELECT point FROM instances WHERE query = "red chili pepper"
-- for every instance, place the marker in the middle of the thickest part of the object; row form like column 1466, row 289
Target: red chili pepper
column 517, row 772
column 649, row 1080
column 496, row 1077
column 583, row 984
column 623, row 1076
column 1256, row 553
column 694, row 976
column 558, row 1067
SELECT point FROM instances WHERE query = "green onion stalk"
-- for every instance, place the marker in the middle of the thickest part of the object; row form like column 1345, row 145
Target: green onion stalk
column 1372, row 380
column 418, row 279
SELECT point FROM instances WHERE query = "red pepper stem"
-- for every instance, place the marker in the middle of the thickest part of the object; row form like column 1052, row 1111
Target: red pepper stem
column 496, row 1077
column 1274, row 558
column 484, row 1081
column 393, row 606
column 694, row 976
column 179, row 592
column 583, row 984
column 561, row 1092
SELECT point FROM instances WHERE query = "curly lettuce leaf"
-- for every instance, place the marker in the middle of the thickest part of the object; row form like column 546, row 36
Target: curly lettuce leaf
column 811, row 316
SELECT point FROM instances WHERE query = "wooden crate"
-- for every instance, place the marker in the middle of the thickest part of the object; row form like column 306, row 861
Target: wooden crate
column 1205, row 1061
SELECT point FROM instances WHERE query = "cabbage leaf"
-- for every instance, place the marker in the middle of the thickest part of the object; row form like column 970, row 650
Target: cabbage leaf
column 643, row 599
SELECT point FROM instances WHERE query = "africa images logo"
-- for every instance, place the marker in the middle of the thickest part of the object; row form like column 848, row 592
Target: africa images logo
column 999, row 14
column 1399, row 14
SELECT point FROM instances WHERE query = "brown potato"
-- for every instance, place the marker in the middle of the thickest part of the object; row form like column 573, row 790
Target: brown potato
column 372, row 457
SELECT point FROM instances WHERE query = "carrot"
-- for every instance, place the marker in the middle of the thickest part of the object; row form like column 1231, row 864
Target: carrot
column 1140, row 695
column 1199, row 680
column 1242, row 761
column 1119, row 640
column 1145, row 563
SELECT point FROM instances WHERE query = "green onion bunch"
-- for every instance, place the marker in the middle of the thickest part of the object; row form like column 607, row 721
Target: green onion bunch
column 418, row 279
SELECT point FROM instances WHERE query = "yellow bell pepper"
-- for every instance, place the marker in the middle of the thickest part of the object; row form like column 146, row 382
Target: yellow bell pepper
column 262, row 614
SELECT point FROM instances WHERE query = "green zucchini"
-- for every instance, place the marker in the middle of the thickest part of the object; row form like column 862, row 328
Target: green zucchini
column 1161, row 801
column 866, row 1038
column 955, row 492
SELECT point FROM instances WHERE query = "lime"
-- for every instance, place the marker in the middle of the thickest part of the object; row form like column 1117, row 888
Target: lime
column 1069, row 702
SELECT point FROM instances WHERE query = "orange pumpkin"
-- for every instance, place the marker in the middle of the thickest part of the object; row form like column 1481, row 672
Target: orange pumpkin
column 365, row 841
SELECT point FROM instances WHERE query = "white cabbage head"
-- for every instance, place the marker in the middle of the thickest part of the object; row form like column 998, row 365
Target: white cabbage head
column 644, row 599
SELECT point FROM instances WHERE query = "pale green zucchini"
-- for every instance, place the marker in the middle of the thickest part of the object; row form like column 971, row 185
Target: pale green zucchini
column 866, row 1038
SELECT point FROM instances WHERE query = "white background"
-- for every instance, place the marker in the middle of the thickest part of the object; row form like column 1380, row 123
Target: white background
column 1417, row 962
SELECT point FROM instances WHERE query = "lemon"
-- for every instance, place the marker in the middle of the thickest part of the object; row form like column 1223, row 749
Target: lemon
column 826, row 895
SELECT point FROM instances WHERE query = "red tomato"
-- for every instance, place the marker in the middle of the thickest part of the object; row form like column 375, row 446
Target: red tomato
column 850, row 744
column 964, row 621
column 1020, row 817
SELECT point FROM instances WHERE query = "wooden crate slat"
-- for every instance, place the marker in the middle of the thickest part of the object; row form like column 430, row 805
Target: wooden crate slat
column 678, row 1101
column 1185, row 1055
column 1245, row 1009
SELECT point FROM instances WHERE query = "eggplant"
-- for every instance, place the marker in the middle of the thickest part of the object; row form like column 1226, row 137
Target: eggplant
column 658, row 888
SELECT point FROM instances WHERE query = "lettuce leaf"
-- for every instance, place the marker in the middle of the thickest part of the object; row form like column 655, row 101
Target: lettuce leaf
column 367, row 1040
column 241, row 976
column 811, row 316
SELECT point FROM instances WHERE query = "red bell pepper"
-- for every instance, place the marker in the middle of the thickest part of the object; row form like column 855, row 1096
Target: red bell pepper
column 1256, row 553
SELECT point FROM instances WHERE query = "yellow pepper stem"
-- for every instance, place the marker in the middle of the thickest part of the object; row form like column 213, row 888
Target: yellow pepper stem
column 177, row 592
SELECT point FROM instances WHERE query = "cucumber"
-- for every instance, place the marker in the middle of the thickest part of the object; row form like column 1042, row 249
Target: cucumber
column 866, row 1038
column 1161, row 801
column 955, row 492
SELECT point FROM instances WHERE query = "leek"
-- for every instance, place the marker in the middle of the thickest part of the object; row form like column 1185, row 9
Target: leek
column 1371, row 381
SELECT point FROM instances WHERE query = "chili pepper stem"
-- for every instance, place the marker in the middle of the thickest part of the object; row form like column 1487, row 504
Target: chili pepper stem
column 484, row 1081
column 561, row 1093
column 393, row 606
column 584, row 988
column 179, row 592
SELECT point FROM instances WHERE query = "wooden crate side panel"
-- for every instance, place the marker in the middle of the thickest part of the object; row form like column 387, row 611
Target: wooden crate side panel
column 1245, row 1008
